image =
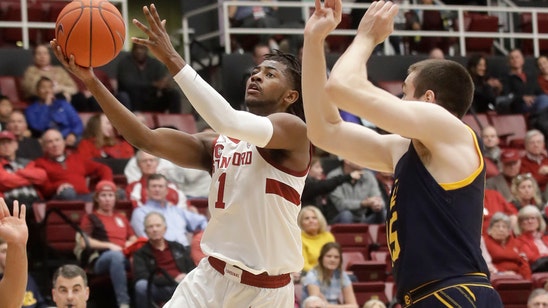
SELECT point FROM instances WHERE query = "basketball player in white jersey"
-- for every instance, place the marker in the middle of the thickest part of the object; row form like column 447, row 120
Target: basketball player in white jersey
column 259, row 161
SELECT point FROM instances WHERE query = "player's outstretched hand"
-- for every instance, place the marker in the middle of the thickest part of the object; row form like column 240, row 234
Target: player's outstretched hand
column 158, row 41
column 325, row 18
column 378, row 21
column 83, row 73
column 13, row 229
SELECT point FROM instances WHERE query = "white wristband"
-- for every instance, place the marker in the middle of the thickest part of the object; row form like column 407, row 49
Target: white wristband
column 218, row 113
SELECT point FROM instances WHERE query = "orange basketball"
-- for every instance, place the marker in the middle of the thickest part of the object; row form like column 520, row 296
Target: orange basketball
column 91, row 30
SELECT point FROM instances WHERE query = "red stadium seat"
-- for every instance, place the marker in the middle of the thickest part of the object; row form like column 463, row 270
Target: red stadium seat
column 481, row 23
column 513, row 292
column 351, row 257
column 511, row 128
column 369, row 270
column 476, row 122
column 353, row 237
column 9, row 86
column 365, row 291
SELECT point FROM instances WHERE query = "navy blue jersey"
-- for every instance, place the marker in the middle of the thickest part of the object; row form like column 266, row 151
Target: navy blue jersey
column 434, row 230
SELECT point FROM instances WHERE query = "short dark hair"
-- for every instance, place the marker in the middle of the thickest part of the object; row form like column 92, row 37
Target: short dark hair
column 70, row 271
column 450, row 82
column 294, row 69
column 42, row 79
column 156, row 176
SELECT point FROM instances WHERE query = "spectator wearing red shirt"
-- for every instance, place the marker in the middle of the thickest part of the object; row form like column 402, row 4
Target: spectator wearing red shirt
column 137, row 192
column 493, row 203
column 503, row 248
column 68, row 173
column 109, row 233
column 101, row 141
column 535, row 160
column 532, row 240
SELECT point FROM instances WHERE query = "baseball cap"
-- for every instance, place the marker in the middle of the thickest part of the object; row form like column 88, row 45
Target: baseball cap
column 509, row 156
column 7, row 135
column 105, row 186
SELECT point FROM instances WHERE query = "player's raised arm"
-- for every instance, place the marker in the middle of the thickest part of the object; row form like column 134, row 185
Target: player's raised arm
column 158, row 142
column 326, row 129
column 352, row 91
column 279, row 131
column 13, row 229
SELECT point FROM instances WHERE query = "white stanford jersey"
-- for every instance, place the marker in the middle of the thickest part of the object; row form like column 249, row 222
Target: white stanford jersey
column 254, row 205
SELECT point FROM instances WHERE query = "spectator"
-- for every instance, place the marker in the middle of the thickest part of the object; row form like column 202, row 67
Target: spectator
column 436, row 53
column 147, row 82
column 83, row 101
column 70, row 287
column 50, row 112
column 358, row 200
column 6, row 108
column 100, row 140
column 255, row 17
column 491, row 143
column 68, row 173
column 527, row 94
column 327, row 279
column 526, row 192
column 29, row 147
column 33, row 298
column 510, row 165
column 13, row 230
column 168, row 261
column 18, row 176
column 314, row 301
column 137, row 191
column 486, row 87
column 259, row 52
column 109, row 233
column 193, row 183
column 538, row 298
column 63, row 85
column 374, row 303
column 535, row 160
column 532, row 239
column 425, row 20
column 385, row 180
column 504, row 248
column 314, row 234
column 493, row 203
column 542, row 79
column 179, row 221
column 317, row 187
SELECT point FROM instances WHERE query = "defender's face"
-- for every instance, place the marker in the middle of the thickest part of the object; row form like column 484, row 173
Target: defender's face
column 70, row 292
column 267, row 85
column 409, row 88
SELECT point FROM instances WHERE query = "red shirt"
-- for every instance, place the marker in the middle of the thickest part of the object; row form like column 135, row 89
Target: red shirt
column 528, row 246
column 116, row 226
column 508, row 257
column 164, row 259
column 494, row 202
column 530, row 166
column 122, row 149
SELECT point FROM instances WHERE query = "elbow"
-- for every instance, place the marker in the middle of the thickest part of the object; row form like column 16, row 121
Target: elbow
column 335, row 89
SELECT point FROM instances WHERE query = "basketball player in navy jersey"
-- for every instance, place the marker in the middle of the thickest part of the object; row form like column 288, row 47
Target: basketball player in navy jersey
column 258, row 159
column 435, row 211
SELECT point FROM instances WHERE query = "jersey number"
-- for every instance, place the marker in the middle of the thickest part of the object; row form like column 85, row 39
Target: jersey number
column 219, row 204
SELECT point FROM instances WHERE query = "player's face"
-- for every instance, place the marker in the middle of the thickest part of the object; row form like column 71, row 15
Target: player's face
column 70, row 292
column 331, row 259
column 266, row 88
column 500, row 231
column 310, row 223
column 409, row 88
column 155, row 227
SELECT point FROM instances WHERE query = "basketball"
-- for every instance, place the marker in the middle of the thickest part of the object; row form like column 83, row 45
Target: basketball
column 91, row 30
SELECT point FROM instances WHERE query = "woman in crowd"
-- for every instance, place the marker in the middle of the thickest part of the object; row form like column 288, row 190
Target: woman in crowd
column 64, row 85
column 487, row 88
column 317, row 187
column 532, row 240
column 314, row 234
column 525, row 191
column 109, row 233
column 101, row 141
column 48, row 111
column 503, row 248
column 328, row 280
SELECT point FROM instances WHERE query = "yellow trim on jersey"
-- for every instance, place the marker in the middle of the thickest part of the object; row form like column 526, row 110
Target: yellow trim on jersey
column 452, row 286
column 467, row 289
column 472, row 177
column 444, row 302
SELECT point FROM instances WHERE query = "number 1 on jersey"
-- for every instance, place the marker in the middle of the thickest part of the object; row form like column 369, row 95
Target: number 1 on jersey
column 219, row 204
